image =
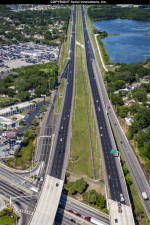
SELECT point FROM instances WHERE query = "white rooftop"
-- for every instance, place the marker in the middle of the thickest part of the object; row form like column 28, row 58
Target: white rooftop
column 13, row 107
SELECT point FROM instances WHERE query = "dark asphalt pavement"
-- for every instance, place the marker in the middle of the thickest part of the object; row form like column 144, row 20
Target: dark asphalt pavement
column 58, row 160
column 31, row 117
column 114, row 181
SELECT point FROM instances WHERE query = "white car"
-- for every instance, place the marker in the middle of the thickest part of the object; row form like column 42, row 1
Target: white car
column 99, row 109
column 60, row 139
column 121, row 198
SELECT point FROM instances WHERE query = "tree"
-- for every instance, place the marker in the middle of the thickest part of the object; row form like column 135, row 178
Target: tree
column 80, row 185
column 128, row 180
column 119, row 84
column 23, row 96
column 116, row 100
column 70, row 187
column 140, row 95
column 125, row 170
column 123, row 111
column 90, row 196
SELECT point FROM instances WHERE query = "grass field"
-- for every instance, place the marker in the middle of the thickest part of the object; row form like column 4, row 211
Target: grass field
column 65, row 51
column 59, row 97
column 80, row 156
column 7, row 220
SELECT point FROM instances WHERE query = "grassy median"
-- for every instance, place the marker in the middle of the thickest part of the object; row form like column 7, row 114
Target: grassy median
column 80, row 155
column 65, row 48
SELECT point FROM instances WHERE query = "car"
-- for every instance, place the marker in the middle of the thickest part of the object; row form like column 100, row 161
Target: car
column 57, row 184
column 87, row 218
column 97, row 100
column 101, row 128
column 70, row 211
column 18, row 204
column 78, row 214
column 41, row 179
column 99, row 109
column 96, row 94
column 121, row 142
column 116, row 221
column 62, row 127
column 73, row 221
column 20, row 192
column 60, row 139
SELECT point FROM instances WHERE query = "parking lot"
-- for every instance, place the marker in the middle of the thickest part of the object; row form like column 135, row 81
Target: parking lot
column 24, row 54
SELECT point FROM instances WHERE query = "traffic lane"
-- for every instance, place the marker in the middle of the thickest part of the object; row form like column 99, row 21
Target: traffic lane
column 114, row 173
column 83, row 210
column 133, row 167
column 58, row 159
column 106, row 144
column 9, row 191
column 62, row 217
column 18, row 178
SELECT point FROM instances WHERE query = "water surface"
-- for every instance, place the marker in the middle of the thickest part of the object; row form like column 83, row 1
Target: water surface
column 131, row 45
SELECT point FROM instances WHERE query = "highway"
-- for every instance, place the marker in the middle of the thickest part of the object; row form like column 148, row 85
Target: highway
column 112, row 170
column 68, row 203
column 130, row 157
column 56, row 169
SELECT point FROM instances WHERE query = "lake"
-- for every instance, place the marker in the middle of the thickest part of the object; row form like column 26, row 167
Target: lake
column 131, row 46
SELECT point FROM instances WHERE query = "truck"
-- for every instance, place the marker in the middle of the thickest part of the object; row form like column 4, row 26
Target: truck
column 144, row 194
column 35, row 189
column 96, row 221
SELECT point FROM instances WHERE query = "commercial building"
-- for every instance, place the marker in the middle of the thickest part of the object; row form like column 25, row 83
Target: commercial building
column 8, row 111
column 8, row 124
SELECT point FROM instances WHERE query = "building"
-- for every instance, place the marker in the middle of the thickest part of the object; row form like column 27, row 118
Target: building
column 129, row 120
column 8, row 124
column 8, row 111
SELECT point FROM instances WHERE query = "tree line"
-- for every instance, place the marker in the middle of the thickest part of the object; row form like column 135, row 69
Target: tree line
column 114, row 12
column 40, row 77
column 91, row 196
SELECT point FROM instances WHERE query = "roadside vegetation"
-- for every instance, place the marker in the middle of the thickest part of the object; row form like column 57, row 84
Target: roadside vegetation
column 115, row 12
column 41, row 77
column 24, row 157
column 7, row 216
column 137, row 206
column 80, row 156
column 90, row 197
column 64, row 53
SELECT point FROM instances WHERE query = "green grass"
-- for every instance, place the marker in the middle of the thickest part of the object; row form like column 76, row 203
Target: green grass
column 59, row 97
column 7, row 220
column 66, row 45
column 80, row 157
column 5, row 99
column 24, row 161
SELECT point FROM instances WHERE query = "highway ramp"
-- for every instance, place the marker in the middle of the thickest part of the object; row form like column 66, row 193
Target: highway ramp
column 46, row 210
